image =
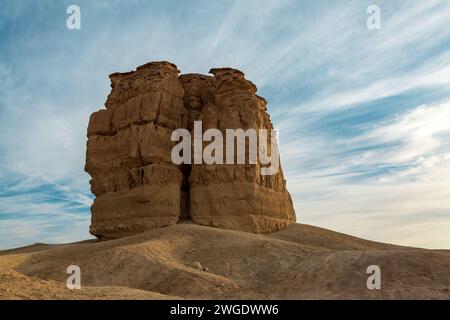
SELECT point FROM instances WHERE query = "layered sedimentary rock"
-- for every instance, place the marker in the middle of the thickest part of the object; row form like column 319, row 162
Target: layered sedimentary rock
column 233, row 196
column 136, row 184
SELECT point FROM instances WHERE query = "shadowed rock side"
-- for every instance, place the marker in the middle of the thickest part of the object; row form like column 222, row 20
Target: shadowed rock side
column 136, row 184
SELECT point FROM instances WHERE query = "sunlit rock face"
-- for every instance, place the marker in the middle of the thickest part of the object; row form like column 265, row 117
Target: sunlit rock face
column 136, row 183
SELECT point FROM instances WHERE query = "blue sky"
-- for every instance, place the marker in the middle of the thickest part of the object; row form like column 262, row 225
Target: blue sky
column 363, row 115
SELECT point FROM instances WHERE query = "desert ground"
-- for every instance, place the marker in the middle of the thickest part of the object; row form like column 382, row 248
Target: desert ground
column 188, row 261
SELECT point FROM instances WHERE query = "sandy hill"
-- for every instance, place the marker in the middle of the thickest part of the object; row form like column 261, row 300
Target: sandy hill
column 197, row 262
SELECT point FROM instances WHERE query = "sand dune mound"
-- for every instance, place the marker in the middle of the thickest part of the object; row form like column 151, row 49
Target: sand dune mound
column 198, row 262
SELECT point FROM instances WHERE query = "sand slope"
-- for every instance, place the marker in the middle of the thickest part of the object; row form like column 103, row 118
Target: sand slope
column 299, row 262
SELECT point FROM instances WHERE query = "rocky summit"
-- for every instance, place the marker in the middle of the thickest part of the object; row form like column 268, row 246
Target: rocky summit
column 137, row 185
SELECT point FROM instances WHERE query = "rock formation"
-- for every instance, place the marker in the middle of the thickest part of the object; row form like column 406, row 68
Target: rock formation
column 136, row 184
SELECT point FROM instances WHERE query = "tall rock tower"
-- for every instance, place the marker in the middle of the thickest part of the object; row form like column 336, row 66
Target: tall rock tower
column 136, row 184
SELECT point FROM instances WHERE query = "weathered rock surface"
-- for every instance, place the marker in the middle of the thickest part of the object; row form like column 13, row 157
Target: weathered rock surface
column 136, row 184
column 233, row 196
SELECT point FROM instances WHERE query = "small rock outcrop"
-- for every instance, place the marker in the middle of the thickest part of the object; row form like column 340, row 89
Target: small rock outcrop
column 136, row 183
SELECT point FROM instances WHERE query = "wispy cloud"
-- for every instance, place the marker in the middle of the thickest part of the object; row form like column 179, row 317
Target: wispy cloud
column 36, row 209
column 393, row 177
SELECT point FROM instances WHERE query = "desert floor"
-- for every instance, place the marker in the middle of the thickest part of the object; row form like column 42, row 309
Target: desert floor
column 194, row 262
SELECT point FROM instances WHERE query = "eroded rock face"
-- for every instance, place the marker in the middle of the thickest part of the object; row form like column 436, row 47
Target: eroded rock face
column 136, row 184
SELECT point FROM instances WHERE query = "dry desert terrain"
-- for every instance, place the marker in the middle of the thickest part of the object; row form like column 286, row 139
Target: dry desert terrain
column 188, row 261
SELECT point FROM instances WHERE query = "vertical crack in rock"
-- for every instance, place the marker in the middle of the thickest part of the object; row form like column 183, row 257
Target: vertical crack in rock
column 136, row 184
column 185, row 206
column 159, row 108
